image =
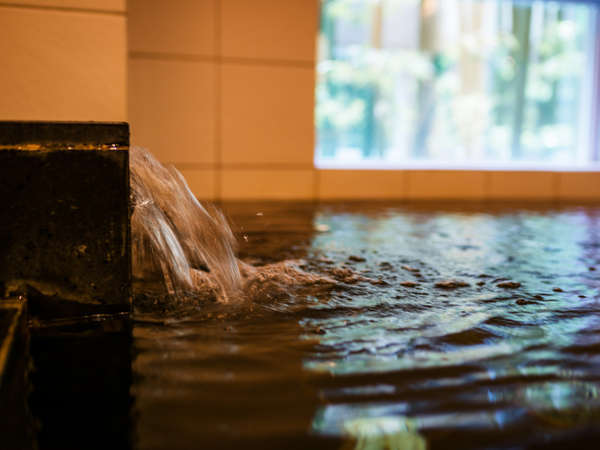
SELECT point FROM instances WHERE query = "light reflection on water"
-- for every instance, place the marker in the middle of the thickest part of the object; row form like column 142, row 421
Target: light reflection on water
column 482, row 327
column 388, row 365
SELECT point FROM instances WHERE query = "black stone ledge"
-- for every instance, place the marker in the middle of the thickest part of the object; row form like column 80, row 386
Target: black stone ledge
column 22, row 135
column 65, row 236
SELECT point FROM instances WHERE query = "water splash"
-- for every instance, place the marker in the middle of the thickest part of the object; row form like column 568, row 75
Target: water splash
column 175, row 237
column 189, row 251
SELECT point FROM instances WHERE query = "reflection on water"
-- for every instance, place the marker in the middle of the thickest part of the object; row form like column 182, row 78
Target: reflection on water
column 383, row 363
column 393, row 433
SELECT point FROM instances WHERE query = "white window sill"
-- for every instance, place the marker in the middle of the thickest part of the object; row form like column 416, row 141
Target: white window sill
column 454, row 166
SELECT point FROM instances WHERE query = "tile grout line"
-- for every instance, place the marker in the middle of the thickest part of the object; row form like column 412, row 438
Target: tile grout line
column 183, row 57
column 406, row 184
column 238, row 166
column 63, row 9
column 218, row 98
column 556, row 186
column 487, row 186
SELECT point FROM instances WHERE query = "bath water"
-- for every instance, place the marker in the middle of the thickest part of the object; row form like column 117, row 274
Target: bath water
column 368, row 326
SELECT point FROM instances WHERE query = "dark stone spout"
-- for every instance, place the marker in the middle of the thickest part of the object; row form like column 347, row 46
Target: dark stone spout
column 65, row 221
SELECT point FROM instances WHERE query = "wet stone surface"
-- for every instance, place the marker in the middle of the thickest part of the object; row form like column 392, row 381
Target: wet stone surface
column 501, row 359
column 64, row 227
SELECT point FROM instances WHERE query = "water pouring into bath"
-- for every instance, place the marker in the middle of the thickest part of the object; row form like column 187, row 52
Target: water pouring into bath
column 175, row 238
column 187, row 250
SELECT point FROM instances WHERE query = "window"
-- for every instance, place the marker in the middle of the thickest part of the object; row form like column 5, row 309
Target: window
column 492, row 83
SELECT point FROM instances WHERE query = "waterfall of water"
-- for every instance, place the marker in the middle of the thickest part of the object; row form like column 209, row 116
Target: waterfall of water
column 175, row 237
column 189, row 248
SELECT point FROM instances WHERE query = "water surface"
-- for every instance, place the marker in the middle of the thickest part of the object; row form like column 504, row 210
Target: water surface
column 386, row 359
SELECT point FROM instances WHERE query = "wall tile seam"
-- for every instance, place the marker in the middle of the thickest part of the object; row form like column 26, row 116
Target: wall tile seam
column 218, row 105
column 294, row 166
column 556, row 188
column 318, row 195
column 316, row 179
column 556, row 185
column 226, row 60
column 407, row 182
column 487, row 185
column 64, row 9
column 581, row 194
column 237, row 166
column 553, row 197
column 411, row 194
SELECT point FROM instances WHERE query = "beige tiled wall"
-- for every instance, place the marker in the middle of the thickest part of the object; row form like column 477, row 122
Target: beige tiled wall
column 172, row 109
column 361, row 184
column 443, row 184
column 270, row 30
column 91, row 5
column 458, row 185
column 224, row 89
column 523, row 185
column 579, row 185
column 266, row 115
column 63, row 60
column 173, row 28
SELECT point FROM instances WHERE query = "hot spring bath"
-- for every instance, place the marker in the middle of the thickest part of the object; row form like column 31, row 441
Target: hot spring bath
column 385, row 359
column 399, row 326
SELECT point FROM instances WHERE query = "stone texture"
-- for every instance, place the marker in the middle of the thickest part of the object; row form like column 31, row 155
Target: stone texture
column 64, row 229
column 62, row 135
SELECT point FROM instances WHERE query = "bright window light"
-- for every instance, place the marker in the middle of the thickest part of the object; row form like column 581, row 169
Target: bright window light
column 442, row 83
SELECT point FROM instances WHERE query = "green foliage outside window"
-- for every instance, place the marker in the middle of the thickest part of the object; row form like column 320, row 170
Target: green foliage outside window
column 509, row 82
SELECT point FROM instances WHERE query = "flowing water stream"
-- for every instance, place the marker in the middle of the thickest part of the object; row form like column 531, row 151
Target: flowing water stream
column 184, row 252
